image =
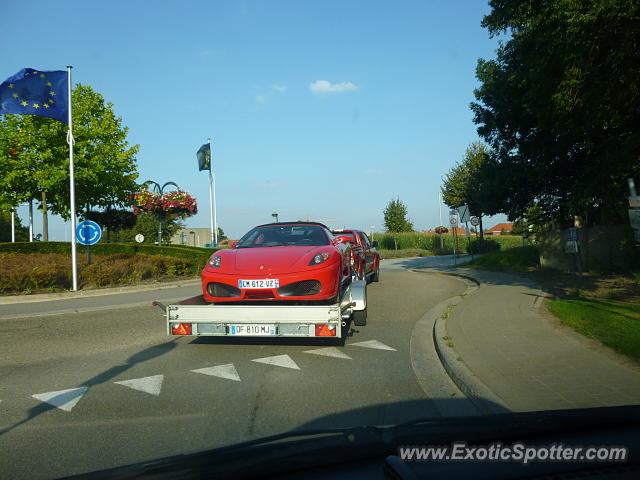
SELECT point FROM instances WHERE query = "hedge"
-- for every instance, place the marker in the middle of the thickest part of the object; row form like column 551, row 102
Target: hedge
column 177, row 251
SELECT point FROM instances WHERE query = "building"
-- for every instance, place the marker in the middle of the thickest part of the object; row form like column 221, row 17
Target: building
column 499, row 228
column 194, row 237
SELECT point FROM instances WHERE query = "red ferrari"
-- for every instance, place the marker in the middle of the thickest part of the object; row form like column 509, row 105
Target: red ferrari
column 296, row 261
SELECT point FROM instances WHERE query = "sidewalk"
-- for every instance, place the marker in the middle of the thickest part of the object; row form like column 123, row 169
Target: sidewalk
column 503, row 336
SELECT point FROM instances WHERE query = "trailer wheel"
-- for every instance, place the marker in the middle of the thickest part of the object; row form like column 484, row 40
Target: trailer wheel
column 360, row 318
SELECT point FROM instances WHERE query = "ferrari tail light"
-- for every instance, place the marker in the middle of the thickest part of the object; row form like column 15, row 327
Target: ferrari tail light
column 324, row 330
column 180, row 329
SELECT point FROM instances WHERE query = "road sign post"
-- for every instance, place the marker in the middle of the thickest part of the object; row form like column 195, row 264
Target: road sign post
column 453, row 221
column 88, row 233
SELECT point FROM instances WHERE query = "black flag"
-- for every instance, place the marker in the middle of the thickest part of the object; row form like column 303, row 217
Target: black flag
column 204, row 157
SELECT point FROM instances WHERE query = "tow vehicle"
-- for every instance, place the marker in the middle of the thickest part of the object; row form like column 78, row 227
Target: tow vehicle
column 364, row 256
column 290, row 279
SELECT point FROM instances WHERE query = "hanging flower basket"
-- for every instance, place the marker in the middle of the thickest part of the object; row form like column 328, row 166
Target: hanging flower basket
column 177, row 204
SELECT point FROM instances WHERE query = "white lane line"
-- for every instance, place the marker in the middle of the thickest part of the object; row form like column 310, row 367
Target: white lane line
column 150, row 385
column 62, row 399
column 373, row 344
column 227, row 371
column 279, row 361
column 329, row 352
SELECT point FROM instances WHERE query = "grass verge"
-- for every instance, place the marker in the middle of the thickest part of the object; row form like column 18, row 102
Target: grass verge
column 615, row 324
column 520, row 259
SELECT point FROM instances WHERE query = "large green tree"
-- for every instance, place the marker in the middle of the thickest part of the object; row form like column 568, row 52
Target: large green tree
column 35, row 157
column 465, row 183
column 560, row 106
column 395, row 217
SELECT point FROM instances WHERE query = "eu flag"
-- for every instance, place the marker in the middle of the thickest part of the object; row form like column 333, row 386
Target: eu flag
column 34, row 92
column 204, row 157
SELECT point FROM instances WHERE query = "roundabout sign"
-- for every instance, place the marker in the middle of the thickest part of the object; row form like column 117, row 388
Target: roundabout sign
column 88, row 233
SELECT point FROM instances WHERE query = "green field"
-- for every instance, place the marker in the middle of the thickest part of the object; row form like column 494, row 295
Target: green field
column 421, row 241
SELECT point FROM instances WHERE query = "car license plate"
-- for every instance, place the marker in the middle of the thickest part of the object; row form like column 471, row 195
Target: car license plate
column 262, row 283
column 253, row 329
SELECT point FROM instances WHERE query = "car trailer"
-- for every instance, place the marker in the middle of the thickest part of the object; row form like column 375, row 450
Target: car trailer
column 196, row 317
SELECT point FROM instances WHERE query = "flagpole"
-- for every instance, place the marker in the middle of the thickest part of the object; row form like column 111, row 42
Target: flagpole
column 215, row 214
column 31, row 220
column 211, row 214
column 72, row 189
column 13, row 225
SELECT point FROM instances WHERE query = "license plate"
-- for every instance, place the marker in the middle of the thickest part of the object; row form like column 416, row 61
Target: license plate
column 254, row 329
column 262, row 283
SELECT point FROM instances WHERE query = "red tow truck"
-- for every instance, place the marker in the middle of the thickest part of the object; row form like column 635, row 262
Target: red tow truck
column 365, row 259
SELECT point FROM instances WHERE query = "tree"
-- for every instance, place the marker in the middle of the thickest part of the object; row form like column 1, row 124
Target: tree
column 559, row 106
column 464, row 184
column 22, row 232
column 35, row 154
column 112, row 220
column 221, row 235
column 395, row 217
column 147, row 225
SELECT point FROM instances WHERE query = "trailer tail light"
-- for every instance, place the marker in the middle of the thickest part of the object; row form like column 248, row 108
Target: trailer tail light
column 180, row 329
column 325, row 330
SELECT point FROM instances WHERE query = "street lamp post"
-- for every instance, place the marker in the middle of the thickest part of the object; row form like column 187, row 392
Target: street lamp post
column 275, row 215
column 160, row 190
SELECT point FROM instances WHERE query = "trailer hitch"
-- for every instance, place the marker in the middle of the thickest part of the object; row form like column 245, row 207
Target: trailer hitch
column 160, row 305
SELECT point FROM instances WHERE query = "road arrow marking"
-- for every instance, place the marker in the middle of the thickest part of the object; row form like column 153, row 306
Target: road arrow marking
column 150, row 385
column 223, row 371
column 279, row 361
column 374, row 344
column 329, row 352
column 62, row 399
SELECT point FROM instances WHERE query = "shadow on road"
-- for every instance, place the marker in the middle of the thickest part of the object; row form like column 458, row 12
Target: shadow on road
column 396, row 413
column 139, row 357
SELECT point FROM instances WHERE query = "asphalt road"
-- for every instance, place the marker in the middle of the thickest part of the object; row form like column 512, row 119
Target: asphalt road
column 101, row 388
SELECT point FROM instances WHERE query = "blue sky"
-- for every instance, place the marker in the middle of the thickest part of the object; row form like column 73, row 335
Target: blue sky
column 317, row 109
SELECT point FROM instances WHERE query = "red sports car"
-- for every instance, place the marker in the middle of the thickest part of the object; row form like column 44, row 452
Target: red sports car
column 296, row 261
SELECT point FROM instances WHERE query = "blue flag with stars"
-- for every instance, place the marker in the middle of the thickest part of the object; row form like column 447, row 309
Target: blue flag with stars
column 34, row 92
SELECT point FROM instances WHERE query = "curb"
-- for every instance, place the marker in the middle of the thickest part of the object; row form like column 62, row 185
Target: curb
column 467, row 381
column 46, row 297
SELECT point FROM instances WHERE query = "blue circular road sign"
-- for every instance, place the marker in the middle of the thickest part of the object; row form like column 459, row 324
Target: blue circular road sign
column 88, row 232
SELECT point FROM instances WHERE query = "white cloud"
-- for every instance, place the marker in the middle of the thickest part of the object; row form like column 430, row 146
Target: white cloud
column 323, row 86
column 280, row 88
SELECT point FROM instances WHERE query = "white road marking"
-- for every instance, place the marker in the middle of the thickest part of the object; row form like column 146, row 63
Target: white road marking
column 373, row 344
column 150, row 385
column 278, row 360
column 223, row 371
column 62, row 399
column 329, row 352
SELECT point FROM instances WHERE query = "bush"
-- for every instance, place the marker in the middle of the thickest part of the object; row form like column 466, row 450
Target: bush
column 194, row 254
column 26, row 273
column 520, row 259
column 484, row 246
